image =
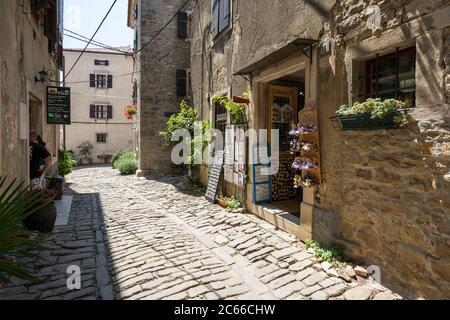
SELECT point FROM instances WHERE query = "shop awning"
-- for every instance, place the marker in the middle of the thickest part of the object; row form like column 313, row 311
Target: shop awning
column 295, row 46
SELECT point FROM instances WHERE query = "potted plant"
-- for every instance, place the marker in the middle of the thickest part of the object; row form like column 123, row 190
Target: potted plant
column 223, row 202
column 237, row 109
column 43, row 220
column 130, row 111
column 85, row 152
column 372, row 114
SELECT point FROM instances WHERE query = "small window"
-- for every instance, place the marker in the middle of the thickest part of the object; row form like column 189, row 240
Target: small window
column 101, row 62
column 100, row 111
column 220, row 118
column 101, row 81
column 392, row 76
column 182, row 82
column 183, row 25
column 102, row 137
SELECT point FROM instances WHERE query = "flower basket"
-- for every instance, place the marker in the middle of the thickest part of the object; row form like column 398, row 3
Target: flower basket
column 223, row 203
column 130, row 111
column 364, row 122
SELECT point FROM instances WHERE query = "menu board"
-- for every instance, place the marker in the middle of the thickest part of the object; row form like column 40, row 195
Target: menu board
column 215, row 175
column 58, row 105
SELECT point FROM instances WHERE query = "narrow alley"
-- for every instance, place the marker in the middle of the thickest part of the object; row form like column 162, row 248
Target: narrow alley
column 139, row 238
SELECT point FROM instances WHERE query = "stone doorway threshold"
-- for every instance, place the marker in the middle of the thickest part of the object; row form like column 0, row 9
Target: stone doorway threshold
column 63, row 208
column 284, row 215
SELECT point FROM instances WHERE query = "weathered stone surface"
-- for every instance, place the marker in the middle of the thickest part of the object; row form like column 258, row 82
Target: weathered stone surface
column 221, row 240
column 299, row 266
column 305, row 274
column 320, row 295
column 315, row 278
column 362, row 272
column 384, row 296
column 153, row 256
column 358, row 293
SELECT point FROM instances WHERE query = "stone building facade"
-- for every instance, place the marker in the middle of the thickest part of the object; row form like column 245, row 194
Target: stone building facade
column 383, row 194
column 29, row 45
column 102, row 87
column 161, row 77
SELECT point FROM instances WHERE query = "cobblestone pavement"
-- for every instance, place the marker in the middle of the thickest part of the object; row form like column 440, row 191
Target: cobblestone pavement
column 137, row 238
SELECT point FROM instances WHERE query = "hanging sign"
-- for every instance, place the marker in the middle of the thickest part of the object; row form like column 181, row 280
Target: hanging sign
column 58, row 105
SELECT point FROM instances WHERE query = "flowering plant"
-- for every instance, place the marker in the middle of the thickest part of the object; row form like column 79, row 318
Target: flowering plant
column 304, row 182
column 378, row 109
column 130, row 111
column 304, row 164
column 301, row 128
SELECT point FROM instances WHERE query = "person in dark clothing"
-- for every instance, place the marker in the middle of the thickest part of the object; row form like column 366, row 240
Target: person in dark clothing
column 38, row 154
column 40, row 141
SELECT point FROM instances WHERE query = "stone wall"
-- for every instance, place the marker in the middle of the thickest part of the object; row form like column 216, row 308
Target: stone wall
column 384, row 193
column 159, row 62
column 390, row 187
column 23, row 53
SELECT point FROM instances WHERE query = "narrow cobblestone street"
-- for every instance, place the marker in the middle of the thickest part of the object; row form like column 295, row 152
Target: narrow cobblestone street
column 137, row 238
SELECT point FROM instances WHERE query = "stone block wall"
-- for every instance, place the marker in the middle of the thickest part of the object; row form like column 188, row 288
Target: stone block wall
column 390, row 188
column 159, row 62
column 384, row 194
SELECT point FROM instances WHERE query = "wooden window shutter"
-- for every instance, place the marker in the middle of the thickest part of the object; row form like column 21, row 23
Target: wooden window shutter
column 183, row 25
column 181, row 83
column 92, row 111
column 92, row 80
column 110, row 111
column 224, row 14
column 110, row 81
column 215, row 18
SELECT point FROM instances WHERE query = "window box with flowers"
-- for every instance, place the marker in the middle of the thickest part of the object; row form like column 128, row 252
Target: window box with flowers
column 372, row 114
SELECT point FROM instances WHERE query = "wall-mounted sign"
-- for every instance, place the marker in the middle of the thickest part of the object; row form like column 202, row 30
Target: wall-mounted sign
column 58, row 105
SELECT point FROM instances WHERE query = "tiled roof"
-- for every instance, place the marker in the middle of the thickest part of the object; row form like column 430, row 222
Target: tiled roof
column 126, row 49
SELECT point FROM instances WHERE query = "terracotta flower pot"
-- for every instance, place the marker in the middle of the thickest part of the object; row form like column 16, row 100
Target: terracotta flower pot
column 241, row 100
column 223, row 204
column 43, row 220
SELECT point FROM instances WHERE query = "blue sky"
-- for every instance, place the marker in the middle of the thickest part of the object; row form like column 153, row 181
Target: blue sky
column 84, row 16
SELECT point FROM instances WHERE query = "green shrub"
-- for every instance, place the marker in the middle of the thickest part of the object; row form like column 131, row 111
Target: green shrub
column 127, row 163
column 66, row 162
column 116, row 156
column 233, row 203
column 332, row 254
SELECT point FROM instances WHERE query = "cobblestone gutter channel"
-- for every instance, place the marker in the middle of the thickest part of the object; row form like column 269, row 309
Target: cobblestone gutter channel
column 147, row 239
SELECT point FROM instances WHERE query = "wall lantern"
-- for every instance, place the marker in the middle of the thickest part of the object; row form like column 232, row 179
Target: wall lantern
column 44, row 75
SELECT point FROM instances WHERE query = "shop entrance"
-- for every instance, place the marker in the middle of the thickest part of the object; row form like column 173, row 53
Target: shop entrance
column 286, row 98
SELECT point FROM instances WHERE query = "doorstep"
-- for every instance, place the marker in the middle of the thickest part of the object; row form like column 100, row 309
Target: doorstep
column 280, row 218
column 63, row 208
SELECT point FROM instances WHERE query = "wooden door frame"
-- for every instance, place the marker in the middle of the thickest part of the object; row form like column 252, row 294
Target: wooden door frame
column 284, row 91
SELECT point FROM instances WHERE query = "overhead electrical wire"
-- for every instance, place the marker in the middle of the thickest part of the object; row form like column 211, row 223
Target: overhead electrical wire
column 164, row 27
column 91, row 39
column 85, row 39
